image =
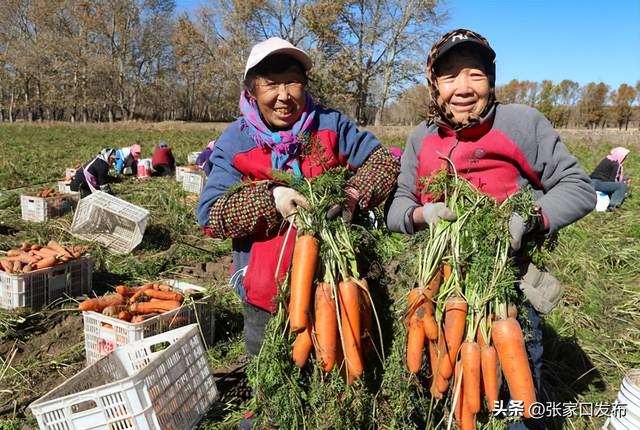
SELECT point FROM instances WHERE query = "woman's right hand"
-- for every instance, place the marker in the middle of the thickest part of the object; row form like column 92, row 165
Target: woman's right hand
column 287, row 201
column 431, row 213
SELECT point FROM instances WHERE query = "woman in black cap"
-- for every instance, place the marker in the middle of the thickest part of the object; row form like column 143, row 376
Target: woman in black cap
column 500, row 149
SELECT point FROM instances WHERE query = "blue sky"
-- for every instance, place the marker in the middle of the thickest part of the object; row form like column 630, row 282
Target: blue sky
column 582, row 40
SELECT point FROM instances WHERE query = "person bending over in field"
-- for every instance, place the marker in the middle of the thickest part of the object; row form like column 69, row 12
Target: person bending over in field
column 127, row 160
column 279, row 122
column 500, row 149
column 95, row 174
column 162, row 161
column 609, row 178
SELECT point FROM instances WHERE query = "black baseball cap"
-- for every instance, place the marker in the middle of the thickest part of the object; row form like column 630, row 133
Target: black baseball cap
column 460, row 37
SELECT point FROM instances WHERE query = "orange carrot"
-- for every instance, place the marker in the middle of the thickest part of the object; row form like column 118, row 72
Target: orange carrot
column 99, row 303
column 45, row 262
column 433, row 358
column 434, row 284
column 124, row 315
column 61, row 250
column 459, row 399
column 142, row 317
column 489, row 364
column 159, row 306
column 470, row 359
column 326, row 326
column 454, row 323
column 7, row 266
column 349, row 298
column 46, row 252
column 415, row 335
column 302, row 347
column 17, row 266
column 113, row 310
column 125, row 290
column 303, row 269
column 508, row 340
column 446, row 272
column 164, row 295
column 366, row 318
column 430, row 324
column 445, row 365
column 139, row 292
column 162, row 287
column 468, row 421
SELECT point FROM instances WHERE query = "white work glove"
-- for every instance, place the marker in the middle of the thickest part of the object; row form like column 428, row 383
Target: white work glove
column 434, row 212
column 518, row 227
column 542, row 289
column 287, row 201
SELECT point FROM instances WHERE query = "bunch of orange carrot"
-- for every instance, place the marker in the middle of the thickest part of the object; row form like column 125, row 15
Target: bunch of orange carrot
column 29, row 257
column 135, row 304
column 475, row 362
column 458, row 314
column 335, row 321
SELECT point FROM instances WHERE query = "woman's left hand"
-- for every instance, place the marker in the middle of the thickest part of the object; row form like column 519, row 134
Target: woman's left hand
column 347, row 208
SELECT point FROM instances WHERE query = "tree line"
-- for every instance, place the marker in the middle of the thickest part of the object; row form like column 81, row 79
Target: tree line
column 111, row 60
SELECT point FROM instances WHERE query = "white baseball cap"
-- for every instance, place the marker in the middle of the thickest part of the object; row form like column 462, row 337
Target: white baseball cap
column 275, row 45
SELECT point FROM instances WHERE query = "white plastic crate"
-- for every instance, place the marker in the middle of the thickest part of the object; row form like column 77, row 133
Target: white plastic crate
column 40, row 287
column 39, row 209
column 192, row 157
column 138, row 386
column 103, row 334
column 113, row 222
column 65, row 187
column 193, row 182
column 180, row 172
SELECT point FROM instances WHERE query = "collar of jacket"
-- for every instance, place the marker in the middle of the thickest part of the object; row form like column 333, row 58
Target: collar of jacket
column 471, row 132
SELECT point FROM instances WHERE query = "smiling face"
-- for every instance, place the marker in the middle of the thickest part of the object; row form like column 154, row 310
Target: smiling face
column 463, row 83
column 280, row 97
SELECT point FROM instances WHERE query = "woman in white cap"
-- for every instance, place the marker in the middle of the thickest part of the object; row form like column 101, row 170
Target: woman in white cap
column 127, row 160
column 501, row 150
column 281, row 128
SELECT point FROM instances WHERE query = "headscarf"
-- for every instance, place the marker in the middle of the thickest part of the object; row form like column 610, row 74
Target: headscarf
column 106, row 153
column 211, row 144
column 438, row 111
column 619, row 154
column 284, row 145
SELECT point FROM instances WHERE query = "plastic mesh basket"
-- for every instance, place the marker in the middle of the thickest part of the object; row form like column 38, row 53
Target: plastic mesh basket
column 39, row 209
column 180, row 172
column 137, row 386
column 103, row 334
column 192, row 157
column 113, row 222
column 193, row 182
column 65, row 187
column 40, row 287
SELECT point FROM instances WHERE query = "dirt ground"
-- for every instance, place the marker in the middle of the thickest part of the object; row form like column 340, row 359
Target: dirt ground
column 45, row 360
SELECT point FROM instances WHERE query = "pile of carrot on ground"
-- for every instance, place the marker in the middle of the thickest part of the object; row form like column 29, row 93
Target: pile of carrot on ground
column 29, row 256
column 135, row 304
column 461, row 316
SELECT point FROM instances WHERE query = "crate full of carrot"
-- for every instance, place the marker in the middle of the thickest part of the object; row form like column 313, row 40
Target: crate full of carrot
column 131, row 313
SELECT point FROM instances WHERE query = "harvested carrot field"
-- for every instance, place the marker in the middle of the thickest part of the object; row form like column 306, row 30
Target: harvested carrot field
column 590, row 340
